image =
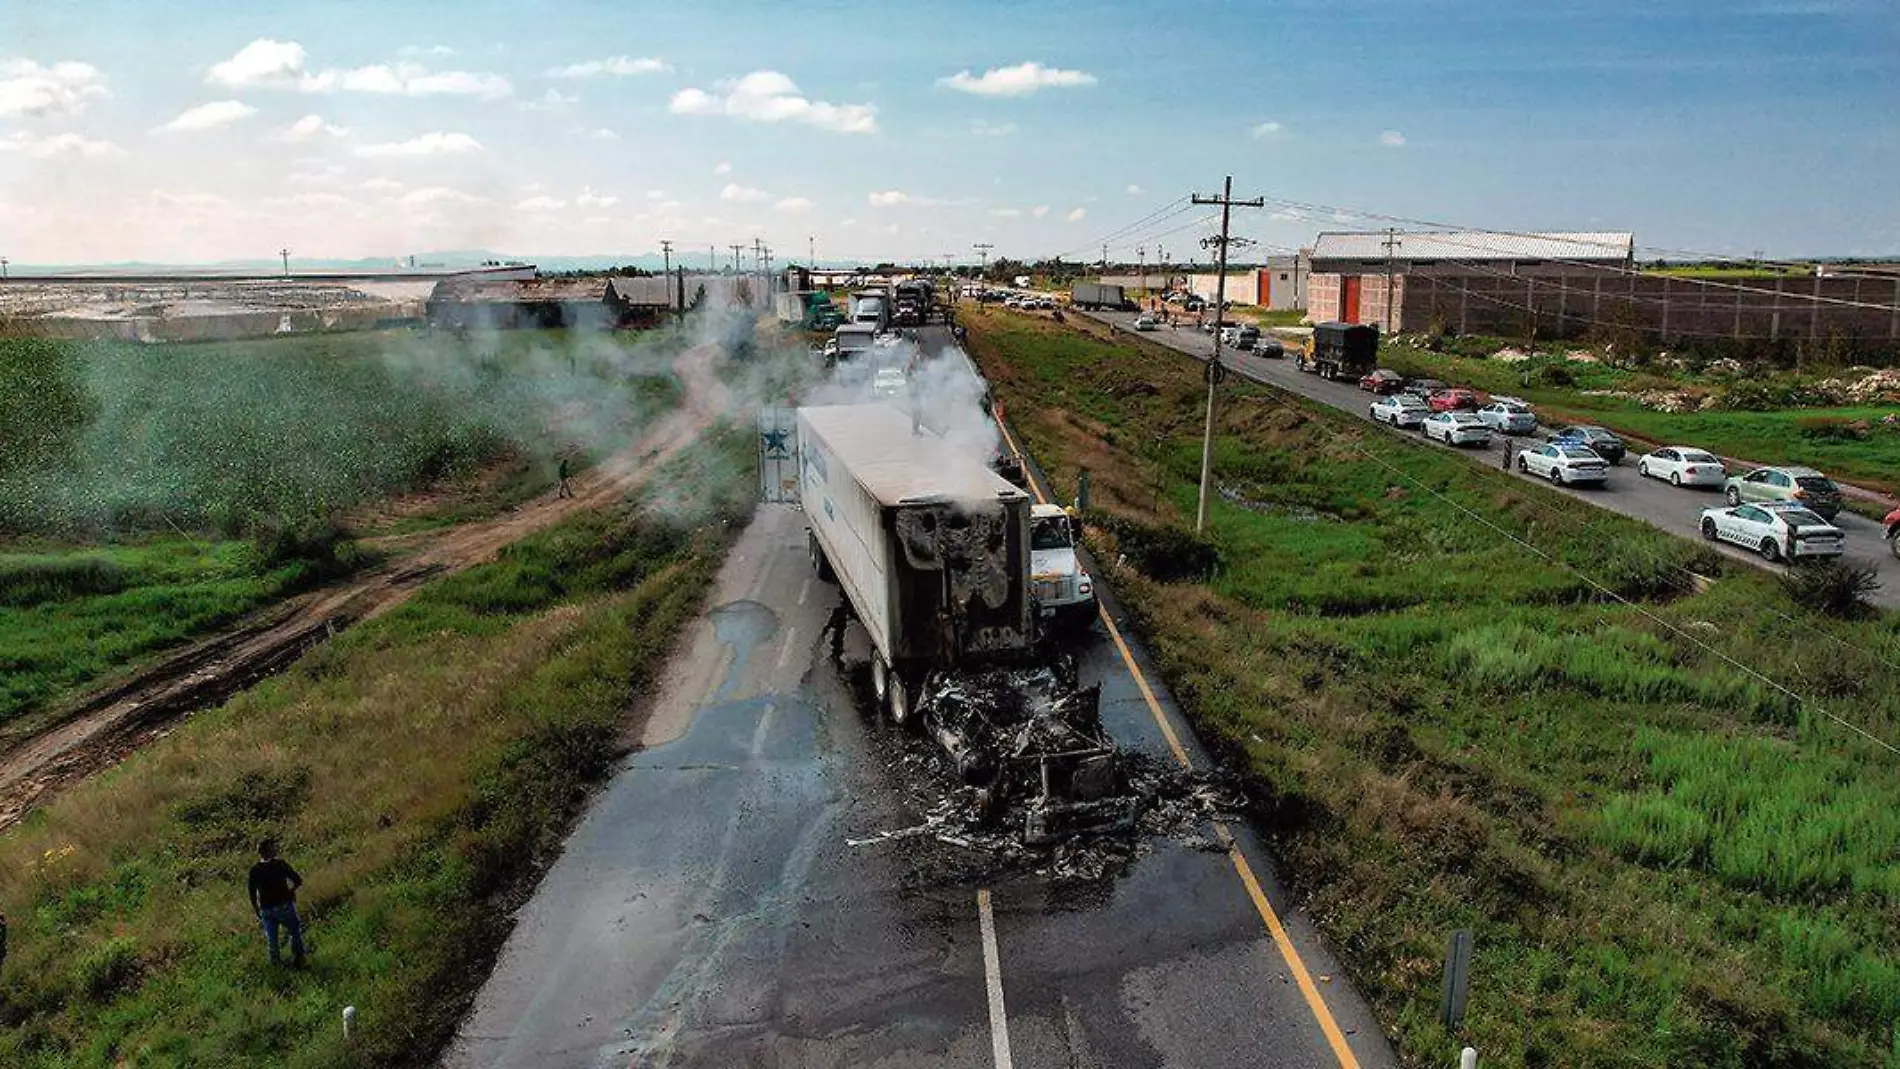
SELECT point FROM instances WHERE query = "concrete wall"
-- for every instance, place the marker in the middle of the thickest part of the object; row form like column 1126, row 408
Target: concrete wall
column 1277, row 288
column 223, row 327
column 1568, row 302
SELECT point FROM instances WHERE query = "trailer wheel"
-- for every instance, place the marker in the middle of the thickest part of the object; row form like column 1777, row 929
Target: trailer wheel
column 819, row 563
column 899, row 701
column 880, row 681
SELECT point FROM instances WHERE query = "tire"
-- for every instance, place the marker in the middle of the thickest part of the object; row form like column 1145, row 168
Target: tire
column 1708, row 530
column 1556, row 475
column 1675, row 478
column 899, row 701
column 1643, row 469
column 1770, row 550
column 819, row 562
column 1734, row 497
column 880, row 681
column 1523, row 466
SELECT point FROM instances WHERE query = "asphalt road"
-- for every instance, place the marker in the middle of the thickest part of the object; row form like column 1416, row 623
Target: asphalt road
column 711, row 908
column 1673, row 509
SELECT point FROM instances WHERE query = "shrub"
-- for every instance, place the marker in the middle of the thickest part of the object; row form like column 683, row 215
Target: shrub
column 33, row 582
column 1838, row 588
column 1832, row 429
column 1553, row 375
column 318, row 547
column 1168, row 554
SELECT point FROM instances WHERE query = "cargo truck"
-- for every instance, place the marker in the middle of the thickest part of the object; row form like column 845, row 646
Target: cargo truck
column 913, row 299
column 1096, row 296
column 930, row 546
column 873, row 307
column 1341, row 350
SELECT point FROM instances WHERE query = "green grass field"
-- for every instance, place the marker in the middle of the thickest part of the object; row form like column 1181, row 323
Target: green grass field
column 1787, row 436
column 1665, row 860
column 418, row 770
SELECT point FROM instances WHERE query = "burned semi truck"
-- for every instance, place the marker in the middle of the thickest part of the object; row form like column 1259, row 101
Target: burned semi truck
column 932, row 550
column 914, row 300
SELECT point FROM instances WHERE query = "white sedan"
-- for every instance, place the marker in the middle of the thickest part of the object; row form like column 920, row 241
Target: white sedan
column 1399, row 409
column 1456, row 428
column 1147, row 322
column 1683, row 465
column 1778, row 530
column 1563, row 464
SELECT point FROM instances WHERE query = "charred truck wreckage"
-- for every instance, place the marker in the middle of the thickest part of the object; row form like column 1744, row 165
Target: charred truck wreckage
column 932, row 551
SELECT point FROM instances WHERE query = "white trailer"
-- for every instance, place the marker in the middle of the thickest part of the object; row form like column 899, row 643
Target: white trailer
column 929, row 545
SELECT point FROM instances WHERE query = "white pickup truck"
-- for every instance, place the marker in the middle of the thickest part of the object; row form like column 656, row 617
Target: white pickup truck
column 1063, row 592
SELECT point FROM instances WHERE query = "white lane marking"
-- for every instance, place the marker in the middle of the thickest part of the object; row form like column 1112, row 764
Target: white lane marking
column 785, row 650
column 993, row 973
column 804, row 589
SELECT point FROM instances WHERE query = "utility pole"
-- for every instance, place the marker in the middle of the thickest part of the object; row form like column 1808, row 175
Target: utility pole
column 3, row 267
column 1104, row 257
column 1214, row 369
column 1391, row 242
column 736, row 250
column 811, row 251
column 285, row 253
column 1141, row 267
column 666, row 254
column 983, row 250
column 712, row 259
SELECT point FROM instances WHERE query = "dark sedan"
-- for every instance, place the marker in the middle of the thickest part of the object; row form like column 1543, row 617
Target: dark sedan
column 1598, row 440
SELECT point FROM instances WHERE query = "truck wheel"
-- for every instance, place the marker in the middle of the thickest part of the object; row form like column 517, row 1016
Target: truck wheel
column 899, row 701
column 819, row 563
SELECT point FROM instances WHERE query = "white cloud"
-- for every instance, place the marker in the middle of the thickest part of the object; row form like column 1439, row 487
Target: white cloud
column 313, row 126
column 189, row 200
column 598, row 133
column 1039, row 210
column 589, row 199
column 1020, row 80
column 1007, row 213
column 1392, row 139
column 722, row 168
column 743, row 194
column 430, row 144
column 209, row 116
column 768, row 96
column 656, row 194
column 41, row 148
column 270, row 63
column 440, row 195
column 552, row 100
column 1135, row 190
column 308, row 200
column 316, row 173
column 847, row 222
column 383, row 185
column 614, row 67
column 541, row 204
column 1077, row 215
column 431, row 50
column 793, row 205
column 1266, row 129
column 30, row 91
column 264, row 62
column 985, row 128
column 891, row 197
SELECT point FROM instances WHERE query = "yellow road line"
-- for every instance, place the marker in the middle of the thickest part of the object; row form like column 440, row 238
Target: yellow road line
column 1288, row 953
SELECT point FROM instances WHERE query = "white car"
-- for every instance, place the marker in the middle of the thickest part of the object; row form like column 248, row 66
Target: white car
column 1562, row 463
column 1399, row 409
column 1456, row 428
column 1147, row 322
column 1508, row 416
column 1683, row 465
column 1778, row 530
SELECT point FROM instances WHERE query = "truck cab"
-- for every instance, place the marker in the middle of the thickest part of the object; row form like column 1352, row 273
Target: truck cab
column 1064, row 593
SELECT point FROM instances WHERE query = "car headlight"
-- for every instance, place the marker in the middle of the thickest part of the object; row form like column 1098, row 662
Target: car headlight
column 1085, row 584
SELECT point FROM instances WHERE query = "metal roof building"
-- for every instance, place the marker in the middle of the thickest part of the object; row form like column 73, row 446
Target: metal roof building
column 1341, row 252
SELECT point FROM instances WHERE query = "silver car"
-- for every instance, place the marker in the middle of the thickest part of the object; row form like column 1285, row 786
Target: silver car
column 1683, row 465
column 1778, row 530
column 1456, row 428
column 1563, row 463
column 1399, row 409
column 1508, row 417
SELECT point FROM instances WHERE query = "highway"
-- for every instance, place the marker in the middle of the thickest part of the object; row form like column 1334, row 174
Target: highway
column 719, row 904
column 1672, row 509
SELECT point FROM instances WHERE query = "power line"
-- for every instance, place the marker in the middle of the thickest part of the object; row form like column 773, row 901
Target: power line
column 1180, row 204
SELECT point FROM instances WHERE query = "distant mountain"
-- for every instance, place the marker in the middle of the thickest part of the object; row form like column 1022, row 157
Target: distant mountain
column 450, row 258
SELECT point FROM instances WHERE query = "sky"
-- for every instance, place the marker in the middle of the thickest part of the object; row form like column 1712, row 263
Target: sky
column 161, row 131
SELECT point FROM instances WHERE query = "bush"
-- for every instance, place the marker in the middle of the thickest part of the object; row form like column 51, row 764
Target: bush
column 1167, row 554
column 34, row 582
column 318, row 547
column 1553, row 375
column 1833, row 429
column 1837, row 588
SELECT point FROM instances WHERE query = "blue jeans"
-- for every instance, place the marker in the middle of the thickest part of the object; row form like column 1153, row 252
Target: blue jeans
column 285, row 916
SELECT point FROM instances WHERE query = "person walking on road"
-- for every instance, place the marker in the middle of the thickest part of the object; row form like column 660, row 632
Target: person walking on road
column 564, row 491
column 274, row 899
column 1506, row 462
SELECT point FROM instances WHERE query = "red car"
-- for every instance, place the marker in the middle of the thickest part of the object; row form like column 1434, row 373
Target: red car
column 1455, row 398
column 1383, row 381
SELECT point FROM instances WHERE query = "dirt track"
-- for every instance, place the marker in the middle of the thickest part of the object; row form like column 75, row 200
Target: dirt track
column 109, row 725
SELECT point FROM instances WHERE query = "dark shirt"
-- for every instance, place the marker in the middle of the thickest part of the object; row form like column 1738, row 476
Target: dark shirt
column 274, row 883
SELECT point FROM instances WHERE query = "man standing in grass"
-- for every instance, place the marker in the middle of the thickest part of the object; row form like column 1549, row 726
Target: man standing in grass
column 274, row 899
column 564, row 491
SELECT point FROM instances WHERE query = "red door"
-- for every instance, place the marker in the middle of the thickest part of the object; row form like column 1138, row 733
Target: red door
column 1349, row 299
